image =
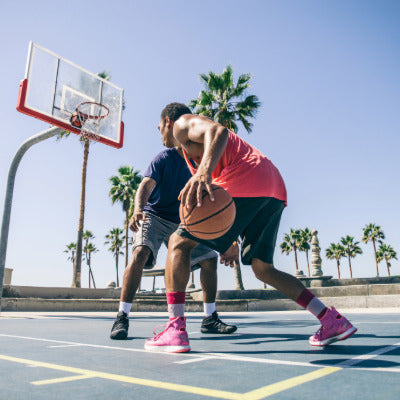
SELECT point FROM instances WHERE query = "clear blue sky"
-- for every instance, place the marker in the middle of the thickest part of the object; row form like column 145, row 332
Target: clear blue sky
column 327, row 73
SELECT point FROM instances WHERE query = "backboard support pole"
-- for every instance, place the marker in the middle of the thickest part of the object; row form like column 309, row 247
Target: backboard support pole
column 10, row 190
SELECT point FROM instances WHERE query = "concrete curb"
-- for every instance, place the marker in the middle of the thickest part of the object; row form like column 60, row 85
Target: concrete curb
column 61, row 305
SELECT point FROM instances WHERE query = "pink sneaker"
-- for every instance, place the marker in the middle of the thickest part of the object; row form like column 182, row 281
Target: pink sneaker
column 173, row 339
column 334, row 327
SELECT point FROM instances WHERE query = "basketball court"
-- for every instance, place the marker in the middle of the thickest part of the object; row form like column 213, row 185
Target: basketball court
column 70, row 355
column 64, row 355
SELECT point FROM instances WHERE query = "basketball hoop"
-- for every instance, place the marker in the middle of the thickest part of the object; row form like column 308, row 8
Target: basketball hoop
column 87, row 117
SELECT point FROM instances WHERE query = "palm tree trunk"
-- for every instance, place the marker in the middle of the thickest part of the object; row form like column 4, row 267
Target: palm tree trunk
column 238, row 276
column 351, row 273
column 308, row 264
column 76, row 280
column 126, row 237
column 376, row 259
column 116, row 264
column 388, row 267
column 338, row 268
column 91, row 273
column 338, row 264
column 295, row 258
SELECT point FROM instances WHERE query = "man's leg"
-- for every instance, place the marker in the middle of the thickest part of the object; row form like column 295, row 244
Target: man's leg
column 333, row 326
column 208, row 279
column 174, row 338
column 133, row 273
column 130, row 285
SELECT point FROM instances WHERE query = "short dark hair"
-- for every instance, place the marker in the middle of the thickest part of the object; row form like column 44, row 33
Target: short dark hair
column 174, row 111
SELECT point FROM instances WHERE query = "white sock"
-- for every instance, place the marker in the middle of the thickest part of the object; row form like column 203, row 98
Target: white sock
column 125, row 307
column 209, row 308
column 315, row 306
column 176, row 310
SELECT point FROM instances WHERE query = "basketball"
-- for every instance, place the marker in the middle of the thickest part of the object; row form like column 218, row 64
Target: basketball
column 75, row 121
column 213, row 219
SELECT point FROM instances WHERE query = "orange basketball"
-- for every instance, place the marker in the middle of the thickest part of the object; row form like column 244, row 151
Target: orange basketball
column 213, row 219
column 75, row 121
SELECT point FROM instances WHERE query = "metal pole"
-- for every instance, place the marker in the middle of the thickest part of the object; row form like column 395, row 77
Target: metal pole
column 9, row 193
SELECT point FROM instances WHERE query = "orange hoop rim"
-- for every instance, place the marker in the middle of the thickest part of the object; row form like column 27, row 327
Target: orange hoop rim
column 90, row 116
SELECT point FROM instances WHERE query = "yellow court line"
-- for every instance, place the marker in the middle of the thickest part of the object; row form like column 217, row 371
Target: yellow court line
column 60, row 380
column 257, row 394
column 127, row 379
column 269, row 390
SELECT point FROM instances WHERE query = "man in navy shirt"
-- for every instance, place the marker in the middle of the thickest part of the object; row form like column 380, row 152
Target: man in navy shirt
column 155, row 218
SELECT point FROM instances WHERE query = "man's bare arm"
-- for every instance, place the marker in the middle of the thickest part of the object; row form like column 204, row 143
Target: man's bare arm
column 207, row 140
column 141, row 197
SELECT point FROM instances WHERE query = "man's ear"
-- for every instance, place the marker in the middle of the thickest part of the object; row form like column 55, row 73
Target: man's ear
column 168, row 122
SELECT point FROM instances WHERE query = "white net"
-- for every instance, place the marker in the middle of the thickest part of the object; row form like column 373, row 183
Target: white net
column 90, row 116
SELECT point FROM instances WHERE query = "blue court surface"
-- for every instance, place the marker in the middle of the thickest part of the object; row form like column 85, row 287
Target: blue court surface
column 70, row 356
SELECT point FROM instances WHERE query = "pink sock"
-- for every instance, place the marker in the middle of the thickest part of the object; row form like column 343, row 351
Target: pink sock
column 311, row 303
column 176, row 304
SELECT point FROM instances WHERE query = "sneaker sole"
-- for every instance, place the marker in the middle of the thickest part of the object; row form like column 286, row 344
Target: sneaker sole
column 119, row 335
column 167, row 349
column 342, row 336
column 204, row 330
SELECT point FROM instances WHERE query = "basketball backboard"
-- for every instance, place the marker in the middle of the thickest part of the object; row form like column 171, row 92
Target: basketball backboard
column 53, row 87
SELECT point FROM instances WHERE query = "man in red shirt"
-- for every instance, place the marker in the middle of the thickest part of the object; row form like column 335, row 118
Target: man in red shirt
column 259, row 192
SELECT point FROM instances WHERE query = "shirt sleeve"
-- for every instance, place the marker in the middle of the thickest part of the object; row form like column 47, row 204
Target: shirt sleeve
column 156, row 168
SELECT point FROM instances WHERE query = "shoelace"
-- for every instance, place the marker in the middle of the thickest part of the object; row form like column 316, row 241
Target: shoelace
column 119, row 322
column 319, row 331
column 157, row 335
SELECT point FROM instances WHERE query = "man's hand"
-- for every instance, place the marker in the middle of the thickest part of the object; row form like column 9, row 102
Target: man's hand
column 134, row 222
column 192, row 193
column 230, row 256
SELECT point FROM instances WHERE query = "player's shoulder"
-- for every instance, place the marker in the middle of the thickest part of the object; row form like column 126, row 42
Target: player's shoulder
column 165, row 155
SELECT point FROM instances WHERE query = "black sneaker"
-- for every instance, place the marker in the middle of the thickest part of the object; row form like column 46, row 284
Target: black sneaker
column 213, row 324
column 119, row 330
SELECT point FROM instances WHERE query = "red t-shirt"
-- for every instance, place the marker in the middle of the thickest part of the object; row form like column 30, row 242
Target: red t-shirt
column 245, row 172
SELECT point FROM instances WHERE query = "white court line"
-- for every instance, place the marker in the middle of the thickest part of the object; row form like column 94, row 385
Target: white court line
column 376, row 322
column 229, row 357
column 193, row 360
column 202, row 357
column 368, row 356
column 65, row 345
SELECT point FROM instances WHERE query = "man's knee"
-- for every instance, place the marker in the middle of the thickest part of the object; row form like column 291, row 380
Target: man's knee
column 262, row 270
column 180, row 243
column 209, row 265
column 140, row 255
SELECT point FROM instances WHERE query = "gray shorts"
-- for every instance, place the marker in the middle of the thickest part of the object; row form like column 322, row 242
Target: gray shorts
column 155, row 231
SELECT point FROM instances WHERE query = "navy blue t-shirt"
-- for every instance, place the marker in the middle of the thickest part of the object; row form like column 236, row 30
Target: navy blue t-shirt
column 171, row 173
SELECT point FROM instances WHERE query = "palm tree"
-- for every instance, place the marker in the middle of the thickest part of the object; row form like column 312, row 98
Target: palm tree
column 115, row 240
column 225, row 102
column 123, row 189
column 373, row 233
column 305, row 237
column 71, row 250
column 351, row 248
column 89, row 249
column 336, row 251
column 292, row 242
column 76, row 279
column 87, row 236
column 388, row 253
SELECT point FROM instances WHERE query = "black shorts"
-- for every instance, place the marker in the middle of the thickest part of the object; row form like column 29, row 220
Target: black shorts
column 257, row 223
